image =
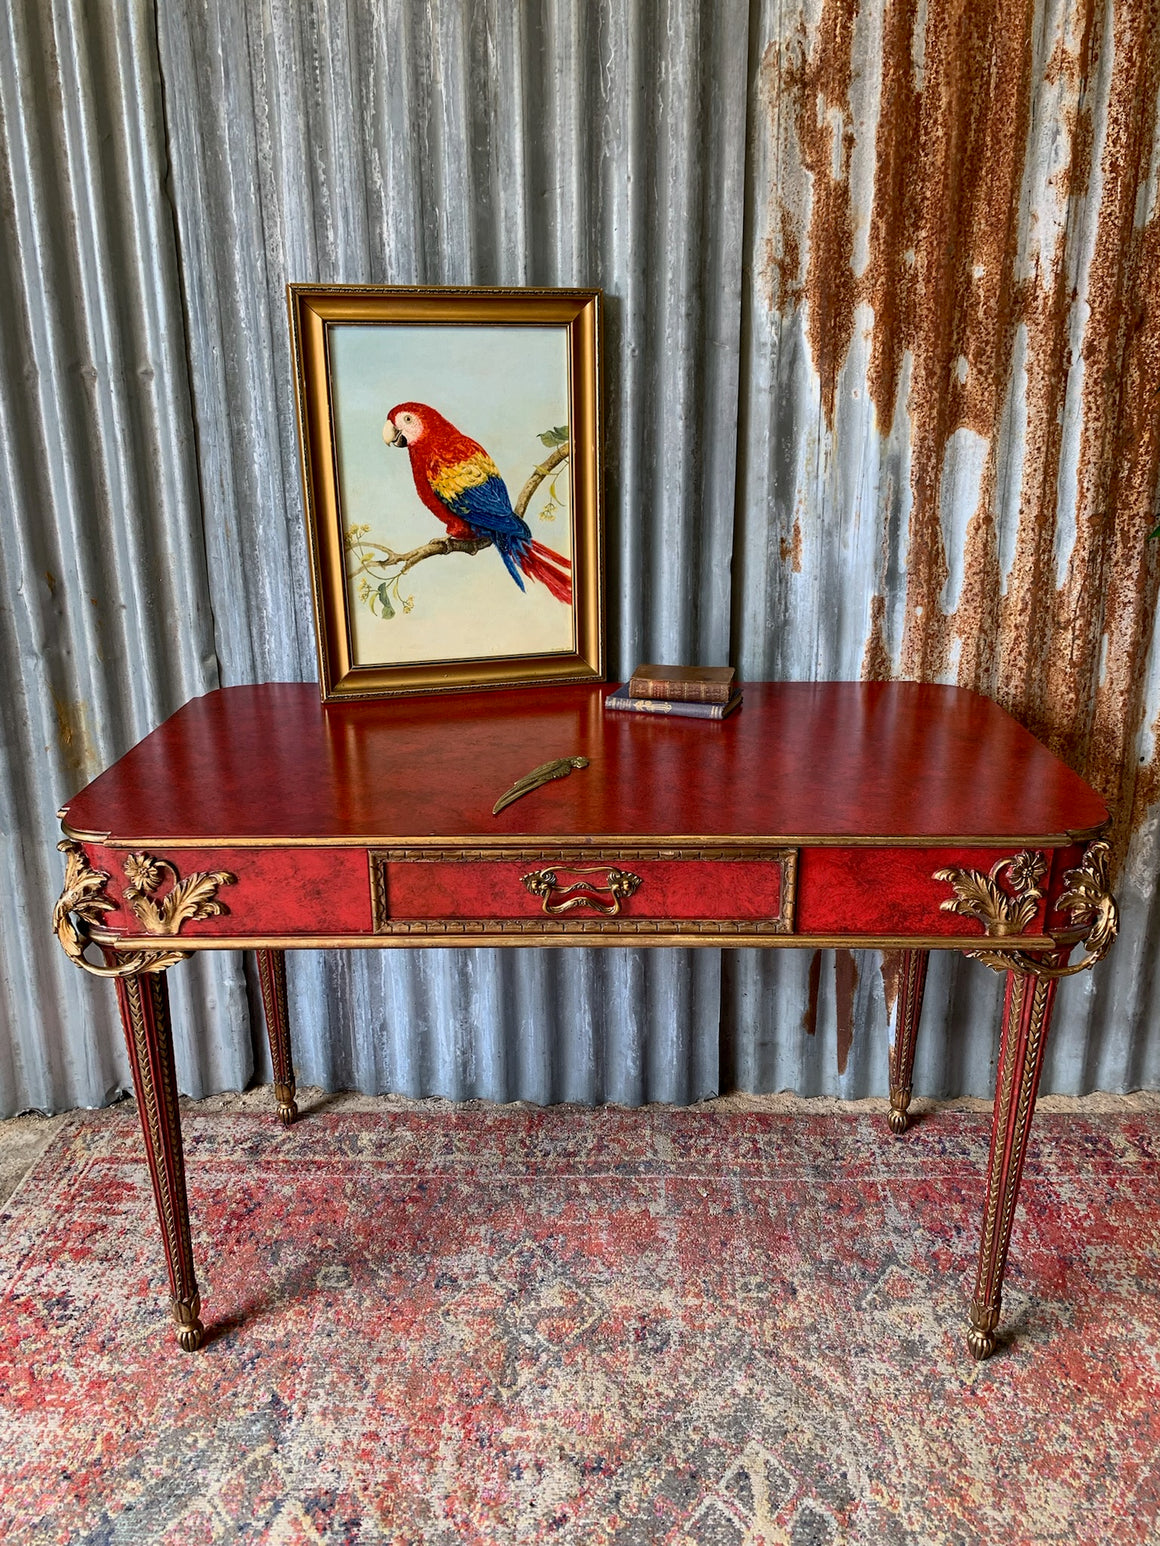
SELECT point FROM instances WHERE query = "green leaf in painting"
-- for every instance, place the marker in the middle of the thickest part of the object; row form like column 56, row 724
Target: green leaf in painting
column 555, row 437
column 385, row 601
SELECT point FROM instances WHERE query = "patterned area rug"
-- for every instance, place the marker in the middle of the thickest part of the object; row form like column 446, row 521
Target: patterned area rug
column 568, row 1326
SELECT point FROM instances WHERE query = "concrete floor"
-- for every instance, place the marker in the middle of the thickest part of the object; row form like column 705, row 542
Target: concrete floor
column 24, row 1139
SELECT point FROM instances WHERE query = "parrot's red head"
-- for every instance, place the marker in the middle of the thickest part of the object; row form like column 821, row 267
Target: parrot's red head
column 409, row 423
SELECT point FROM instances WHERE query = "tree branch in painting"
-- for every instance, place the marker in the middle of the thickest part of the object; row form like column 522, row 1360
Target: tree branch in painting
column 379, row 568
column 558, row 457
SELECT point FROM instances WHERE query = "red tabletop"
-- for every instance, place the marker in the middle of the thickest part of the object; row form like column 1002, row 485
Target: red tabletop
column 829, row 761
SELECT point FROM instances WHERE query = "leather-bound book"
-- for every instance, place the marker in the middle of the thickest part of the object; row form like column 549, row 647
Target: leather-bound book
column 620, row 700
column 683, row 684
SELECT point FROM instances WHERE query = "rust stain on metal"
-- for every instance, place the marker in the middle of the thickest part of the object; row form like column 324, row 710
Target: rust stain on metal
column 949, row 169
column 790, row 548
column 810, row 1014
column 1106, row 608
column 845, row 985
column 79, row 751
column 897, row 219
column 944, row 282
column 818, row 83
column 845, row 982
column 891, row 968
column 783, row 260
column 1028, row 627
column 876, row 665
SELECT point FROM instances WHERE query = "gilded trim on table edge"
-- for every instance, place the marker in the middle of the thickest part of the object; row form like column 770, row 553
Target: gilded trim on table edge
column 554, row 937
column 601, row 839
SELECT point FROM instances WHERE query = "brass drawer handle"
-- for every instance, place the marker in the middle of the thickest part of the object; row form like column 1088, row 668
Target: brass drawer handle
column 619, row 886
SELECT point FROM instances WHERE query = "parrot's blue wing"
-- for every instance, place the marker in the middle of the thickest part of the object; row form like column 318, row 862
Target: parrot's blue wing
column 474, row 491
column 488, row 507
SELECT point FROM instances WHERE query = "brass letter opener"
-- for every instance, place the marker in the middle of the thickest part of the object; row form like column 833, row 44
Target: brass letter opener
column 544, row 774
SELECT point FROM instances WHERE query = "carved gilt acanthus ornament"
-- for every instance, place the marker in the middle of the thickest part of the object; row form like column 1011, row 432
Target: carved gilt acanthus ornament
column 1002, row 909
column 1006, row 899
column 193, row 897
column 83, row 903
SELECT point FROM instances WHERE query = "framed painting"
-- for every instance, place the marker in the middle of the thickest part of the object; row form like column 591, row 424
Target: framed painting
column 451, row 463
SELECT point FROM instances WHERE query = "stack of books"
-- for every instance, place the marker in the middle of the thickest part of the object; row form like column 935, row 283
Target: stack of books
column 700, row 692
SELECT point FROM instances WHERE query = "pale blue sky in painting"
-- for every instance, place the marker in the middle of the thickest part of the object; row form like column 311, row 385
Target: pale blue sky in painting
column 502, row 386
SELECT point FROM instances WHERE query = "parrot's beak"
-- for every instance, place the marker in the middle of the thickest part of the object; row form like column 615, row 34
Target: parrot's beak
column 391, row 436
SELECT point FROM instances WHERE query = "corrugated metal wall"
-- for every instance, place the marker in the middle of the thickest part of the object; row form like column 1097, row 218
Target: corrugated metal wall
column 105, row 613
column 884, row 339
column 950, row 372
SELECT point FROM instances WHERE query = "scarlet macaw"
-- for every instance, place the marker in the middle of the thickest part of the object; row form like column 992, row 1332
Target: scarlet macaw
column 460, row 485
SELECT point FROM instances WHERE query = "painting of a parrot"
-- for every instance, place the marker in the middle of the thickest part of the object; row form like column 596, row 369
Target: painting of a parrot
column 461, row 486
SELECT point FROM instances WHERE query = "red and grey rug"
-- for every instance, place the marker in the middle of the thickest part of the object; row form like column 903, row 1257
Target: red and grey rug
column 569, row 1326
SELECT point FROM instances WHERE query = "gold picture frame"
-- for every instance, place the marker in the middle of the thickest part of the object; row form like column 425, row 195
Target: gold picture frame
column 484, row 391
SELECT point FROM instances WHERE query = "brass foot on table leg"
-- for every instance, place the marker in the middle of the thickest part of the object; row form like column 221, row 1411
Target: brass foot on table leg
column 287, row 1105
column 190, row 1330
column 899, row 1115
column 981, row 1336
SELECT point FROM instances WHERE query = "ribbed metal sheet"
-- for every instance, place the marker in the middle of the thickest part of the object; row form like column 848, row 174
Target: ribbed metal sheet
column 106, row 622
column 883, row 344
column 950, row 461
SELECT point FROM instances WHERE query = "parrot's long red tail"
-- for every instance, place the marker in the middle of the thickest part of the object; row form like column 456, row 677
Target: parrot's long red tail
column 550, row 568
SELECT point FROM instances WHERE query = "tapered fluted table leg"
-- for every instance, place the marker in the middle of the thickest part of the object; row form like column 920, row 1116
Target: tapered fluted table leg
column 144, row 1004
column 272, row 976
column 908, row 1008
column 1026, row 1015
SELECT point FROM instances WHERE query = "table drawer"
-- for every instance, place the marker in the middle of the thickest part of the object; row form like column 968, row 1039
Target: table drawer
column 624, row 890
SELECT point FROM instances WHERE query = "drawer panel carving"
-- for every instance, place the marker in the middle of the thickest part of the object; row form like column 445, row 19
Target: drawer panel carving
column 625, row 890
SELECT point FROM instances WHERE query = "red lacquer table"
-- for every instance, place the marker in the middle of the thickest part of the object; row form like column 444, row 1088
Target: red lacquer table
column 893, row 815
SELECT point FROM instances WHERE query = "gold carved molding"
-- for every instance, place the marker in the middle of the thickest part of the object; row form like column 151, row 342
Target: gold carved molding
column 83, row 903
column 1006, row 900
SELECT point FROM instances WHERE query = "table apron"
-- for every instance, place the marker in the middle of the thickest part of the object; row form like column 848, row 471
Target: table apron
column 873, row 896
